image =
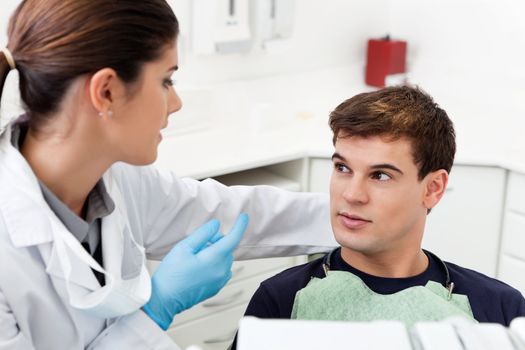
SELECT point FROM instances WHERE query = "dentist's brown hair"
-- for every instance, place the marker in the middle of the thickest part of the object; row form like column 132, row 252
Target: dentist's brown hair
column 55, row 41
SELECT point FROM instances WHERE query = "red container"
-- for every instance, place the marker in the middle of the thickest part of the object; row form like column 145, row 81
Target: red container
column 384, row 56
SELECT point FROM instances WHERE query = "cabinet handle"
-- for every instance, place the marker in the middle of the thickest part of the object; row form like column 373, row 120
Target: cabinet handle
column 223, row 301
column 228, row 337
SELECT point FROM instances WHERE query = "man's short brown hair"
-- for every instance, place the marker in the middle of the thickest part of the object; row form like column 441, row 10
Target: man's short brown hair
column 396, row 112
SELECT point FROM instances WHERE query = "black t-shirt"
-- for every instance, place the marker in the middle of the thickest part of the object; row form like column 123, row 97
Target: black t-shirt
column 491, row 300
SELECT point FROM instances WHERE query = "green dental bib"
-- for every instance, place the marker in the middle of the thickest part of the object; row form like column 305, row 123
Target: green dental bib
column 343, row 296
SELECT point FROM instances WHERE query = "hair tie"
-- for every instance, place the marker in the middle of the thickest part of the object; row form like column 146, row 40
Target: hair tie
column 9, row 58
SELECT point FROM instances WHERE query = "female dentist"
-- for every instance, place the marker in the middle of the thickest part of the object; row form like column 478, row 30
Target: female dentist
column 80, row 210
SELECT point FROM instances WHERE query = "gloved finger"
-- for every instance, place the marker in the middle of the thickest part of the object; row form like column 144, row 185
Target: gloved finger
column 230, row 241
column 216, row 237
column 202, row 235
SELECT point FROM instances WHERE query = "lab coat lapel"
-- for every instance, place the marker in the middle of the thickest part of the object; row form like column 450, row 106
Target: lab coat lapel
column 122, row 258
column 81, row 273
column 112, row 251
column 20, row 193
column 28, row 218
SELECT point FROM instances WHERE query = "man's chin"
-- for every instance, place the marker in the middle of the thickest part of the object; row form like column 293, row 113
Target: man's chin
column 358, row 245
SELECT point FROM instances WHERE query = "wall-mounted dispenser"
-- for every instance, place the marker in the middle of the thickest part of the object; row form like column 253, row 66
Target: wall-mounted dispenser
column 272, row 19
column 226, row 26
column 220, row 26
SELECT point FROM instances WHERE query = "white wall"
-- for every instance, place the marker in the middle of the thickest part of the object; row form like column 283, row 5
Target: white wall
column 486, row 36
column 8, row 6
column 470, row 55
column 10, row 104
column 326, row 33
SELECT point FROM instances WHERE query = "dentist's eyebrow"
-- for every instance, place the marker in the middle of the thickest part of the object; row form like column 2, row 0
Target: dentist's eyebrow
column 386, row 166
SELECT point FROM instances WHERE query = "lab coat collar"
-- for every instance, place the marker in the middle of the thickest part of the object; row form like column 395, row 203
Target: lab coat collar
column 121, row 257
column 30, row 221
column 28, row 217
column 81, row 274
column 21, row 200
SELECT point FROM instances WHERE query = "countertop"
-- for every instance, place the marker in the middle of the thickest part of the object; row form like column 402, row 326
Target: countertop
column 241, row 125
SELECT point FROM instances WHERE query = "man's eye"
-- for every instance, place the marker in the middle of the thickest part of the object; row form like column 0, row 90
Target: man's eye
column 381, row 176
column 341, row 167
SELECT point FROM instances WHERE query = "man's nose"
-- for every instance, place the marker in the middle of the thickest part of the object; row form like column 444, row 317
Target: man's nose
column 356, row 191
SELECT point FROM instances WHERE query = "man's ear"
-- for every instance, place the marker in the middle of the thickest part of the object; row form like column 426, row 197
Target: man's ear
column 103, row 87
column 436, row 184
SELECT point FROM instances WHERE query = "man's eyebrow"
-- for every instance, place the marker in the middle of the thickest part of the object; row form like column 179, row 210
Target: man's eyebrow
column 338, row 156
column 174, row 68
column 387, row 166
column 375, row 166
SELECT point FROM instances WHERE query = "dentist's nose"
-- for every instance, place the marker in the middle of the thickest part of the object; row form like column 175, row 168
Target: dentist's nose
column 174, row 101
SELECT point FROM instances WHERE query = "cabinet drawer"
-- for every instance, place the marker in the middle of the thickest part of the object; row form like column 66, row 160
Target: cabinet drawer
column 516, row 193
column 210, row 333
column 248, row 268
column 512, row 272
column 232, row 294
column 514, row 235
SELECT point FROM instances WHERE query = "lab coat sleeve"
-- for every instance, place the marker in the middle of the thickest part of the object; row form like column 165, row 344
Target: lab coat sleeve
column 10, row 335
column 134, row 331
column 282, row 223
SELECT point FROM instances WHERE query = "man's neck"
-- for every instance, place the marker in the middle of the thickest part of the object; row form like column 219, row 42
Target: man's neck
column 390, row 264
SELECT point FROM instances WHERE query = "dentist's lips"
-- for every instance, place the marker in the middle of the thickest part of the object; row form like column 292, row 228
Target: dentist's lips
column 352, row 222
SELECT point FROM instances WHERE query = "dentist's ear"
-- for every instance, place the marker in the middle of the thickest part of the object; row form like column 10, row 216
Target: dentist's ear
column 103, row 87
column 436, row 184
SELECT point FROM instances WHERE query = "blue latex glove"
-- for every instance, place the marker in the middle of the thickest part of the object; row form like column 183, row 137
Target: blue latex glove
column 194, row 270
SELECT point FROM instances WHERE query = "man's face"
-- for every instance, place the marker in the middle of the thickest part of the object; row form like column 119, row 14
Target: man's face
column 376, row 200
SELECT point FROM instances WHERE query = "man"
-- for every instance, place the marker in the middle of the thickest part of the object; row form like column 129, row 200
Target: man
column 394, row 149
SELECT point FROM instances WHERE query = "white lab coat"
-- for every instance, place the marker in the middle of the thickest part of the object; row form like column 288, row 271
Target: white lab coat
column 161, row 209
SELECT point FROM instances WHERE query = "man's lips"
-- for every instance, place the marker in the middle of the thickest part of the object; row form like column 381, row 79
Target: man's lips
column 353, row 221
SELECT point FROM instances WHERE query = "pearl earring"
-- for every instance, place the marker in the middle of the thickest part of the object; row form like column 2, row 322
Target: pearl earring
column 110, row 114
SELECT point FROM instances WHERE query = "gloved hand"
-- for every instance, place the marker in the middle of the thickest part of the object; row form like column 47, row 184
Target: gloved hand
column 194, row 270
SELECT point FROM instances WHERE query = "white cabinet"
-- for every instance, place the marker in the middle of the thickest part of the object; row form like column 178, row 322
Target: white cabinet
column 320, row 171
column 512, row 271
column 213, row 332
column 215, row 329
column 512, row 262
column 464, row 228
